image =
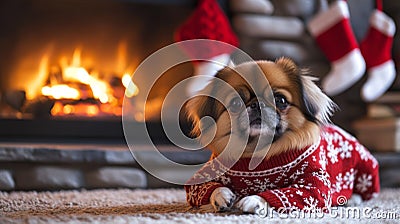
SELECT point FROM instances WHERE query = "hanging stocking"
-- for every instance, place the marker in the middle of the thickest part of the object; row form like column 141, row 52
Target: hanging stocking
column 376, row 49
column 208, row 21
column 334, row 35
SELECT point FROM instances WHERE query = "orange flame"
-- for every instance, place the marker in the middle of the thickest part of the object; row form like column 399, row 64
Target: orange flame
column 75, row 82
column 76, row 73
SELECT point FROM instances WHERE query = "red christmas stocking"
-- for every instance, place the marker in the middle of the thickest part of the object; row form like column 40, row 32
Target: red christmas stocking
column 208, row 21
column 334, row 35
column 376, row 49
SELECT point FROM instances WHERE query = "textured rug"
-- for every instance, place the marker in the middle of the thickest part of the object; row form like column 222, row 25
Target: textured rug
column 168, row 206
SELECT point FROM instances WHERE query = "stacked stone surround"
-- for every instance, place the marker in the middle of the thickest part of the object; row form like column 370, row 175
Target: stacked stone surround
column 272, row 29
column 269, row 29
column 60, row 166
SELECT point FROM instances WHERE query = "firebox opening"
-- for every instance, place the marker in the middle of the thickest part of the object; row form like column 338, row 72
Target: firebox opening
column 80, row 50
column 72, row 60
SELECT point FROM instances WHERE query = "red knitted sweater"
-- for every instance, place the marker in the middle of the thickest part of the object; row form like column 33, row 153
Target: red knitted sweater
column 310, row 178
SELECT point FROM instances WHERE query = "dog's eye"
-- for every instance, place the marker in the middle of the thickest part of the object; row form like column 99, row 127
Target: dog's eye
column 281, row 102
column 236, row 105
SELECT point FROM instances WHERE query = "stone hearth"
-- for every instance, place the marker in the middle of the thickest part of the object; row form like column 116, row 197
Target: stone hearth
column 47, row 166
column 52, row 166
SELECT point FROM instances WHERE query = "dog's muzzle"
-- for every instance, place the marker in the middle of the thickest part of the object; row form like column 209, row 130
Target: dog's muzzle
column 263, row 119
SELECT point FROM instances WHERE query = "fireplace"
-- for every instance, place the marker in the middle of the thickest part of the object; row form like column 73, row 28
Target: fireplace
column 64, row 70
column 66, row 65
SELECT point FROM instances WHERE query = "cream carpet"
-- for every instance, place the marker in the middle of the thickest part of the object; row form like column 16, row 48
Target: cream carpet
column 165, row 206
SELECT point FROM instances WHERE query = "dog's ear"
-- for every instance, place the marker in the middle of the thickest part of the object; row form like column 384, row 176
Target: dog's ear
column 314, row 99
column 316, row 106
column 201, row 106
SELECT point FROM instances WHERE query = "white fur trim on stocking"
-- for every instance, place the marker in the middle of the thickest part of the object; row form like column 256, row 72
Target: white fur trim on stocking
column 383, row 23
column 380, row 78
column 205, row 71
column 344, row 73
column 326, row 19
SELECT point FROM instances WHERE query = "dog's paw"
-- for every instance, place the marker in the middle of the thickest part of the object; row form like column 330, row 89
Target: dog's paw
column 354, row 200
column 222, row 199
column 253, row 204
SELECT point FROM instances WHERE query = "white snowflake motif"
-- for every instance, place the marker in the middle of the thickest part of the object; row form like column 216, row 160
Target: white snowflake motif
column 322, row 158
column 296, row 174
column 348, row 179
column 364, row 155
column 207, row 177
column 198, row 176
column 261, row 185
column 256, row 186
column 299, row 172
column 192, row 193
column 328, row 199
column 328, row 137
column 303, row 186
column 225, row 180
column 310, row 204
column 323, row 176
column 333, row 153
column 337, row 187
column 299, row 192
column 332, row 138
column 271, row 185
column 364, row 182
column 374, row 162
column 345, row 149
column 337, row 137
column 301, row 181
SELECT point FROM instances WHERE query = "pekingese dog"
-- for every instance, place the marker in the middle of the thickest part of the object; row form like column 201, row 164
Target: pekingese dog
column 273, row 146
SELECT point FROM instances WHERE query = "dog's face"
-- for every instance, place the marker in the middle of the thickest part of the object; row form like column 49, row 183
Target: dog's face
column 263, row 106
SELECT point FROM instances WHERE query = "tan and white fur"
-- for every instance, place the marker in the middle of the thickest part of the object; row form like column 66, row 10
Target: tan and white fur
column 290, row 121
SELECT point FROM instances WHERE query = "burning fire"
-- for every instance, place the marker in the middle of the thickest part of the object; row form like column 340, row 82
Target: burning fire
column 61, row 91
column 131, row 88
column 83, row 93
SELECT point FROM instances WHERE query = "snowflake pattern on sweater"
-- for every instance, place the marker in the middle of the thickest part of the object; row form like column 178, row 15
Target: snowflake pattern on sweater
column 311, row 178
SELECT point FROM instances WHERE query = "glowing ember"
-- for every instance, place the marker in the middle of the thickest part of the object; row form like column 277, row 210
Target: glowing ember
column 61, row 91
column 80, row 109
